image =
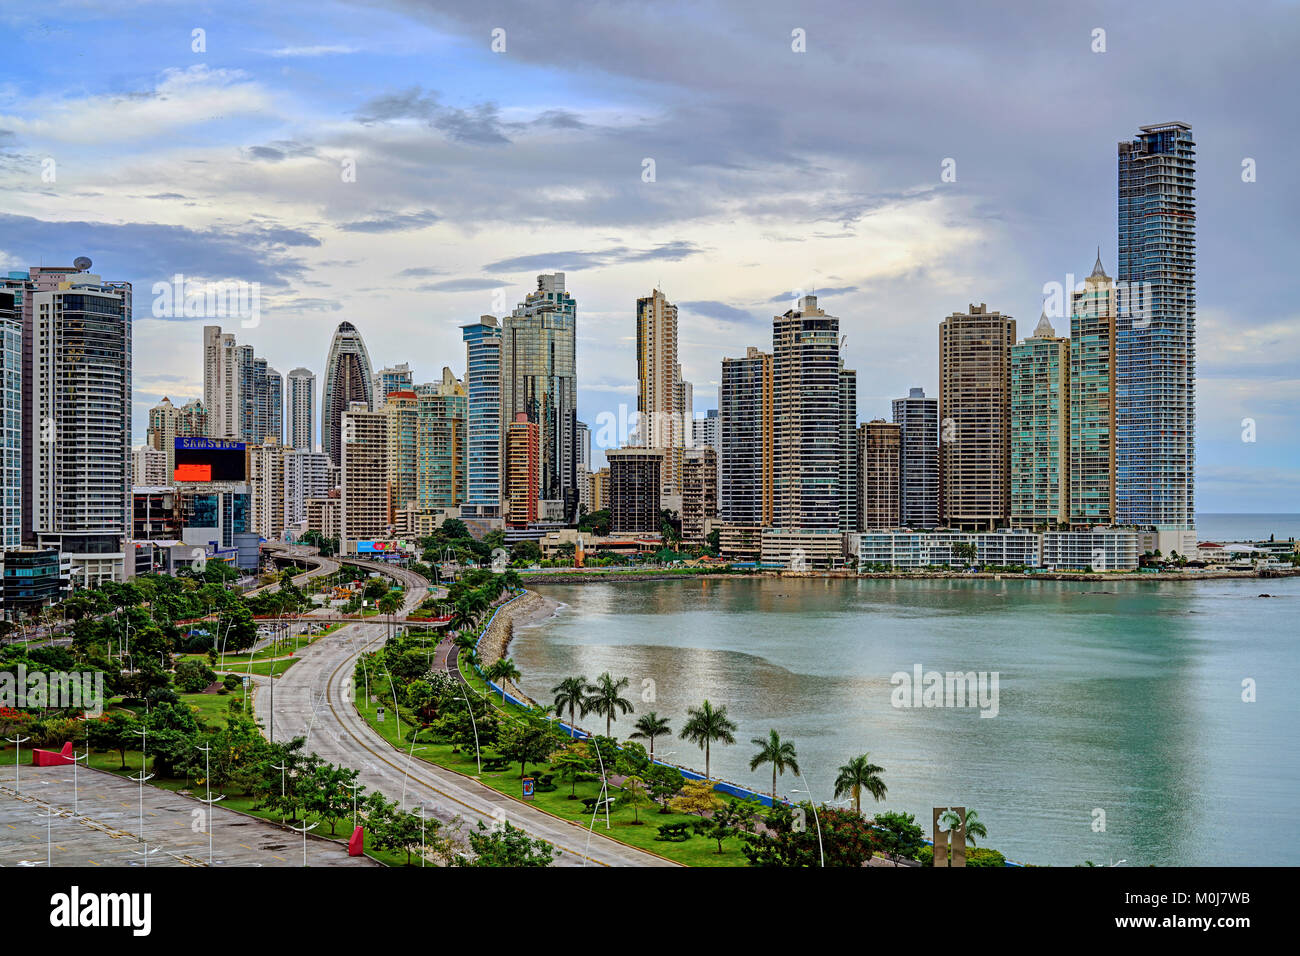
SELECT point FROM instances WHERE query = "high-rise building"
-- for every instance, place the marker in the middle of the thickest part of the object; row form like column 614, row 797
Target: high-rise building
column 307, row 475
column 635, row 483
column 808, row 419
column 975, row 418
column 167, row 423
column 699, row 493
column 1155, row 348
column 745, row 435
column 483, row 431
column 268, row 485
column 403, row 409
column 704, row 431
column 1092, row 401
column 348, row 380
column 221, row 381
column 363, row 476
column 81, row 423
column 538, row 377
column 599, row 484
column 658, row 384
column 440, row 475
column 584, row 446
column 149, row 467
column 302, row 409
column 395, row 378
column 850, row 467
column 522, row 452
column 262, row 399
column 880, row 446
column 917, row 418
column 11, row 421
column 1040, row 429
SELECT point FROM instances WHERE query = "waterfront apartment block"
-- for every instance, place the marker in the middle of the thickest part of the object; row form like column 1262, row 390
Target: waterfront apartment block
column 1095, row 549
column 975, row 418
column 635, row 480
column 1101, row 549
column 745, row 437
column 659, row 400
column 880, row 452
column 699, row 493
column 1155, row 348
column 363, row 477
column 539, row 378
column 1040, row 429
column 850, row 459
column 523, row 458
column 808, row 419
column 802, row 549
column 918, row 420
column 1092, row 401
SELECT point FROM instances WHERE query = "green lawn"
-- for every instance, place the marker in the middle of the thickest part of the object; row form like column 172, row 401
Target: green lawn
column 697, row 851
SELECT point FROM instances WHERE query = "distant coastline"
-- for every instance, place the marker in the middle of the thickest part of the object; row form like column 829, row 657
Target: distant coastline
column 591, row 576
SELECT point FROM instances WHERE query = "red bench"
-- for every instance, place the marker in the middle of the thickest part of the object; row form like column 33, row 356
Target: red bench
column 48, row 758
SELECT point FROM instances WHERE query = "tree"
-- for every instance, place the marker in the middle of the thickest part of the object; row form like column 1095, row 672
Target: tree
column 664, row 783
column 897, row 834
column 118, row 730
column 531, row 740
column 173, row 732
column 502, row 670
column 506, row 846
column 192, row 675
column 526, row 552
column 574, row 764
column 857, row 775
column 634, row 795
column 235, row 625
column 704, row 725
column 729, row 820
column 328, row 793
column 793, row 837
column 697, row 797
column 649, row 726
column 390, row 604
column 779, row 753
column 604, row 697
column 393, row 828
column 570, row 694
column 975, row 828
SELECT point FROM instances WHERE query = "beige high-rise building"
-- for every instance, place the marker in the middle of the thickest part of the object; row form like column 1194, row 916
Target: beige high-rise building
column 221, row 391
column 167, row 423
column 659, row 387
column 880, row 446
column 600, row 489
column 975, row 418
column 266, row 478
column 699, row 493
column 363, row 477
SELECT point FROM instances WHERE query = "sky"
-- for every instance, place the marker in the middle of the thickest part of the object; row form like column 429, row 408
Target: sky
column 410, row 166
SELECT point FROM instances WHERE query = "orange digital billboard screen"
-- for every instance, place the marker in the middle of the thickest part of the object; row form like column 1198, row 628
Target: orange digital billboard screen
column 192, row 471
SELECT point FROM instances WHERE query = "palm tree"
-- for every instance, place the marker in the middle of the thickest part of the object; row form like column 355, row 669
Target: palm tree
column 571, row 693
column 649, row 726
column 779, row 753
column 857, row 775
column 390, row 604
column 975, row 828
column 604, row 698
column 705, row 725
column 503, row 670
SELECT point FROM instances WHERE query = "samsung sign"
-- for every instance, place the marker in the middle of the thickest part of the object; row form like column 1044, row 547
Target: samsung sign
column 208, row 459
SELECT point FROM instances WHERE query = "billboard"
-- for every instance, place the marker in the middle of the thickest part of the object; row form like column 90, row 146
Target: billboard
column 377, row 547
column 209, row 459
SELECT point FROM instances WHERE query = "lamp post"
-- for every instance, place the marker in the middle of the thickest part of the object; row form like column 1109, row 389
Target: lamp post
column 211, row 800
column 49, row 838
column 18, row 756
column 76, row 758
column 303, row 830
column 282, row 767
column 821, row 852
column 473, row 723
column 406, row 774
column 355, row 787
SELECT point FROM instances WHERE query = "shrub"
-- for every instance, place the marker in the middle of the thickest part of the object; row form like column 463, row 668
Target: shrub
column 192, row 675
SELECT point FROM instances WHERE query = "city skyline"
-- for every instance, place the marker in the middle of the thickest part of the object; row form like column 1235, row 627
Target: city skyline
column 728, row 231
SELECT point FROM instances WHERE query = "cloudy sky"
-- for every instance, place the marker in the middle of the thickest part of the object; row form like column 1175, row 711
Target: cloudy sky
column 223, row 155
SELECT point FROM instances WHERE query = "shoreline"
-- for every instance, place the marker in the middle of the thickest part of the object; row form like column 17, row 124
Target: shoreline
column 592, row 577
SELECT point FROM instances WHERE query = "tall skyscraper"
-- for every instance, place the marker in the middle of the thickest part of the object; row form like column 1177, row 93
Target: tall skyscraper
column 659, row 392
column 302, row 409
column 538, row 377
column 1092, row 401
column 584, row 447
column 395, row 378
column 348, row 380
column 1155, row 348
column 880, row 448
column 918, row 420
column 808, row 419
column 268, row 485
column 522, row 451
column 221, row 380
column 403, row 409
column 81, row 423
column 705, row 431
column 307, row 474
column 975, row 418
column 440, row 477
column 635, row 482
column 1040, row 430
column 850, row 460
column 11, row 421
column 745, row 430
column 483, row 410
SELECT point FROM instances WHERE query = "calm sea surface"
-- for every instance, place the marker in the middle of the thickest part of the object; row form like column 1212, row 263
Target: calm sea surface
column 1123, row 697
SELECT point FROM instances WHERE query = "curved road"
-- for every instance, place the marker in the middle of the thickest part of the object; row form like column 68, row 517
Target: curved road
column 313, row 699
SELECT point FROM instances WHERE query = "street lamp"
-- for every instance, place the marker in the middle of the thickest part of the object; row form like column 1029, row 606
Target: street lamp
column 18, row 757
column 303, row 830
column 816, row 819
column 473, row 723
column 210, row 801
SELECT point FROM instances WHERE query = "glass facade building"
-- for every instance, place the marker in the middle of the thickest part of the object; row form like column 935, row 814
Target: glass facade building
column 483, row 404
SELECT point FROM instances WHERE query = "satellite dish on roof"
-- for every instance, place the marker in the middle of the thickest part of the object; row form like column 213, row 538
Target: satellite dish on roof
column 81, row 263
